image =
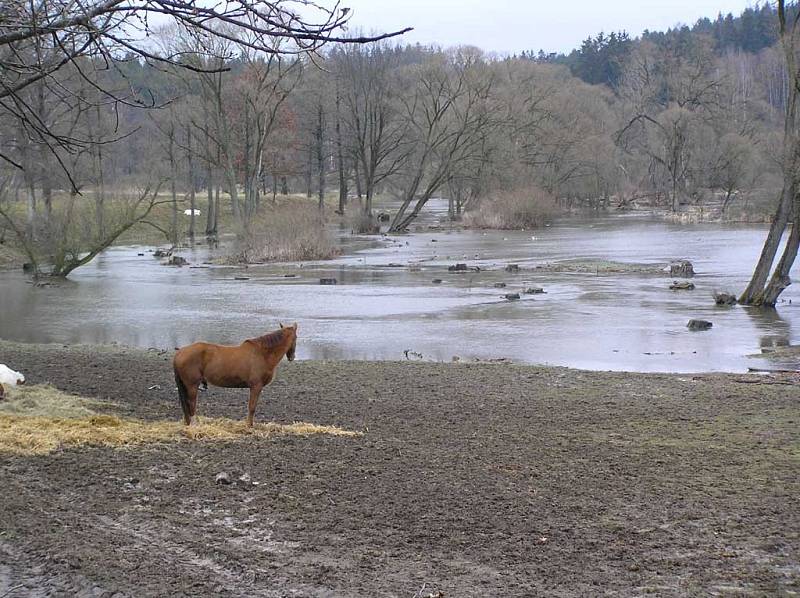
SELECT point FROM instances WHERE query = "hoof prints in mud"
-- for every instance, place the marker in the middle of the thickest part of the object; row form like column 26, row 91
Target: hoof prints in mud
column 677, row 482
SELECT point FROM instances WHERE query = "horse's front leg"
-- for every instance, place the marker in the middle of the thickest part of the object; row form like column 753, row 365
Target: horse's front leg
column 255, row 392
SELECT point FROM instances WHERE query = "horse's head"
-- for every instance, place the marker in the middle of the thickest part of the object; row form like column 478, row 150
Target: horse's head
column 291, row 330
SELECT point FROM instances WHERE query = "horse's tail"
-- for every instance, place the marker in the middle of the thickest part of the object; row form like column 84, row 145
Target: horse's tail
column 183, row 395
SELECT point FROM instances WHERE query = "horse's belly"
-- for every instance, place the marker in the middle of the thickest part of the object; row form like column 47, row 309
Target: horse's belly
column 225, row 382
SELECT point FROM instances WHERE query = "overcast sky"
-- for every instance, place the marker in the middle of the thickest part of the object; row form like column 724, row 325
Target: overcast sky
column 509, row 26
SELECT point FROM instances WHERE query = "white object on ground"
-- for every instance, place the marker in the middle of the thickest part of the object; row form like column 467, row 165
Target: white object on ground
column 189, row 212
column 10, row 377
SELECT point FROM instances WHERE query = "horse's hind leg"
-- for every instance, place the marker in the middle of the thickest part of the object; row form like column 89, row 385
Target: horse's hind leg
column 192, row 392
column 255, row 392
column 187, row 393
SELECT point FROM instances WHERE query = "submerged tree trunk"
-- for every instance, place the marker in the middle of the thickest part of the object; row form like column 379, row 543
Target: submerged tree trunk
column 210, row 205
column 215, row 228
column 172, row 188
column 780, row 278
column 752, row 294
column 756, row 293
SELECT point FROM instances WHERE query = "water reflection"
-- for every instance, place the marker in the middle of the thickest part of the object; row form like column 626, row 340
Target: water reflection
column 775, row 330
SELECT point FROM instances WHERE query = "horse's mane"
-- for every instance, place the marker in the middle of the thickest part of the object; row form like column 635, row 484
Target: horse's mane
column 270, row 339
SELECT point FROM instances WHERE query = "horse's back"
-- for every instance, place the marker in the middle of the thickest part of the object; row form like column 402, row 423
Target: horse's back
column 221, row 365
column 185, row 355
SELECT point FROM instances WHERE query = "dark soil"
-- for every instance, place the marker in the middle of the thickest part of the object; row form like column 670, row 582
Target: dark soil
column 470, row 480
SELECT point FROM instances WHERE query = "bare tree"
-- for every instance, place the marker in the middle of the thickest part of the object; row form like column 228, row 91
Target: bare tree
column 71, row 243
column 375, row 130
column 760, row 292
column 37, row 40
column 670, row 97
column 448, row 117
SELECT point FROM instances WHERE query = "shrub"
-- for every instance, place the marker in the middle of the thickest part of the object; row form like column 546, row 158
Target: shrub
column 360, row 223
column 516, row 209
column 288, row 233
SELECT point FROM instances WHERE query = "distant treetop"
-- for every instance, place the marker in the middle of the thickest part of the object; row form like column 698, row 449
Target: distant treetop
column 600, row 58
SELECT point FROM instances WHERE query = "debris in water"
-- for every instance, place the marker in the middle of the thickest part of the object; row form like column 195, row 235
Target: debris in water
column 699, row 324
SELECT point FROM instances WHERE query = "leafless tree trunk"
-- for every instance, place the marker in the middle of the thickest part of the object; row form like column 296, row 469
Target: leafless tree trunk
column 309, row 168
column 756, row 293
column 357, row 178
column 319, row 138
column 449, row 119
column 192, row 180
column 340, row 165
column 375, row 131
column 173, row 169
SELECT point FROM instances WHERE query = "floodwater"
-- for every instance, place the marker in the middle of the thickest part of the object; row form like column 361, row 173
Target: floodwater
column 380, row 307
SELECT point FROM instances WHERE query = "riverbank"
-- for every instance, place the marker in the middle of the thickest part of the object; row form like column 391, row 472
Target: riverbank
column 469, row 480
column 10, row 259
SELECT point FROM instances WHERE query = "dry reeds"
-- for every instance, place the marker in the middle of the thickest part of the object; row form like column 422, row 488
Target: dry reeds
column 28, row 426
column 287, row 233
column 525, row 208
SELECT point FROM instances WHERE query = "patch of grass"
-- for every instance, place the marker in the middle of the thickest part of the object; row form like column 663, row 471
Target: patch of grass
column 774, row 431
column 42, row 419
column 10, row 257
column 603, row 267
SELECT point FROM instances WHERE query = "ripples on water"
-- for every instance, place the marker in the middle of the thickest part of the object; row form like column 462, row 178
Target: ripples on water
column 620, row 322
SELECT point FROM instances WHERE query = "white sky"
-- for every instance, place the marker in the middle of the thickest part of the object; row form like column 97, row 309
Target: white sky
column 509, row 26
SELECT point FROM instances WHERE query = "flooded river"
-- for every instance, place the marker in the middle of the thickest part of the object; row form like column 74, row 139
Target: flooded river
column 380, row 307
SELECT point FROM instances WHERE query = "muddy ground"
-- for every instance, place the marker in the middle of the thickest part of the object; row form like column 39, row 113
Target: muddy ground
column 470, row 480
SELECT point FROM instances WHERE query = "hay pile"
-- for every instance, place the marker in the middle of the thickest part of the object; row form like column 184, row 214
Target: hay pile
column 40, row 419
column 47, row 401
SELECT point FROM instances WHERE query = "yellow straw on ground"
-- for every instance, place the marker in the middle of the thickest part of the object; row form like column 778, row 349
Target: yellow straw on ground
column 24, row 429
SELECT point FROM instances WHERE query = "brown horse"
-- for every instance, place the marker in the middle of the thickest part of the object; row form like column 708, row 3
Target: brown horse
column 250, row 365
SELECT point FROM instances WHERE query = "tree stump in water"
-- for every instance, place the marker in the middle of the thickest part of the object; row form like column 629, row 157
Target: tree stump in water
column 177, row 260
column 699, row 325
column 681, row 269
column 725, row 299
column 533, row 291
column 681, row 286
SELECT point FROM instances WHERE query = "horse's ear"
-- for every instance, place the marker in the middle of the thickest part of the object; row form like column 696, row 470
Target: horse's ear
column 279, row 324
column 294, row 325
